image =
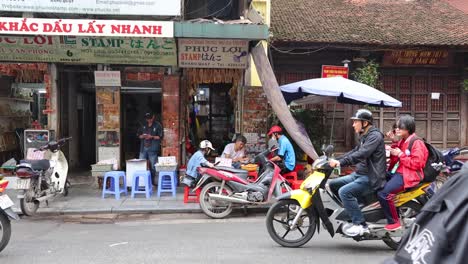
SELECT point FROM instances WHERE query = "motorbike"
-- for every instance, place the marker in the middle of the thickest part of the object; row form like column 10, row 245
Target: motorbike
column 6, row 215
column 449, row 167
column 294, row 218
column 224, row 187
column 41, row 180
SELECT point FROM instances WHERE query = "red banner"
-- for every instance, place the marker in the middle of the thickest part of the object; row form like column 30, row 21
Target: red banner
column 333, row 71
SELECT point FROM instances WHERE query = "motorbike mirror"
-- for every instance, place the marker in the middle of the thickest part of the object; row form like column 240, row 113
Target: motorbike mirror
column 328, row 150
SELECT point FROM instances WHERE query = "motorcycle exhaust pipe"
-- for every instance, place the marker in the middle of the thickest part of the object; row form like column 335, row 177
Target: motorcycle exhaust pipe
column 224, row 198
column 43, row 198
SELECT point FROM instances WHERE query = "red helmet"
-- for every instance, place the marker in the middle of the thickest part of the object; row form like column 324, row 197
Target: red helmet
column 275, row 129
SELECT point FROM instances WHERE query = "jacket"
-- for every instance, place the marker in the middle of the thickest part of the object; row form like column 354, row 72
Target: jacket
column 411, row 161
column 369, row 157
column 440, row 233
column 152, row 145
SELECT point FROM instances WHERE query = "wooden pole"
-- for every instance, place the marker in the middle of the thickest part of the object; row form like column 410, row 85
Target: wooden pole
column 277, row 102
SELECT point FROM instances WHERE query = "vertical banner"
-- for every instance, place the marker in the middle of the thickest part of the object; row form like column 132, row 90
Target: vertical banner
column 108, row 115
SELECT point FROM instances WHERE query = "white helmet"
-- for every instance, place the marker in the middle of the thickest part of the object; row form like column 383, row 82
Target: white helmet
column 206, row 144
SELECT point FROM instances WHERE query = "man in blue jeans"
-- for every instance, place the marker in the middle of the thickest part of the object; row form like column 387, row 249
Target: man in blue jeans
column 369, row 157
column 150, row 136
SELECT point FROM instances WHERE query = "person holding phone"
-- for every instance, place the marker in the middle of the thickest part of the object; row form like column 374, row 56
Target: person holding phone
column 150, row 136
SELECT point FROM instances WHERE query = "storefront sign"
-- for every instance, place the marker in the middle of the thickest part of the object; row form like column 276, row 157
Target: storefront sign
column 106, row 7
column 213, row 53
column 86, row 27
column 72, row 49
column 333, row 71
column 107, row 78
column 416, row 58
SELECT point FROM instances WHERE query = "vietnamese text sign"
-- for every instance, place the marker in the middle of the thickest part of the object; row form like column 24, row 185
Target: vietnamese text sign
column 213, row 53
column 85, row 27
column 106, row 7
column 72, row 49
column 333, row 71
column 416, row 58
column 107, row 78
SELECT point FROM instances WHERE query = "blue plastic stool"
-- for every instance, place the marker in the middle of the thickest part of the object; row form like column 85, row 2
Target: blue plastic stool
column 114, row 187
column 148, row 188
column 167, row 182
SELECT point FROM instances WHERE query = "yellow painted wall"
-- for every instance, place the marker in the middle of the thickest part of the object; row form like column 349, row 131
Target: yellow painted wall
column 264, row 8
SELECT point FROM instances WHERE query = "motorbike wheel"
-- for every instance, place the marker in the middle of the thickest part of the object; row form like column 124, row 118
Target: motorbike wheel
column 215, row 209
column 278, row 218
column 408, row 210
column 5, row 231
column 29, row 209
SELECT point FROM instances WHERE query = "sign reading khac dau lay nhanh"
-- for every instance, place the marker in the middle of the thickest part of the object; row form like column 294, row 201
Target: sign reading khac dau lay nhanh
column 86, row 27
column 213, row 53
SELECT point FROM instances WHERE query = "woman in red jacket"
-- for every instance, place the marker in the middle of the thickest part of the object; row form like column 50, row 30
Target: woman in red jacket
column 406, row 169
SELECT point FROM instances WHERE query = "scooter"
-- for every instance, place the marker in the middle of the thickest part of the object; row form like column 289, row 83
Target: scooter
column 224, row 187
column 6, row 214
column 449, row 167
column 41, row 180
column 294, row 218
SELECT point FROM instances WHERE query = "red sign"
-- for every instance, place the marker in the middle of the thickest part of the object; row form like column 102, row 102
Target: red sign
column 85, row 27
column 333, row 71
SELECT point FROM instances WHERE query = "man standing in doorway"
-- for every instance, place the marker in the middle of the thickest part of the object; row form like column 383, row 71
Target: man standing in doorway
column 150, row 136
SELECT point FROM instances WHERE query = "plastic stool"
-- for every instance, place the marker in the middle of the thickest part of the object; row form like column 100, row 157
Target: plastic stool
column 252, row 176
column 114, row 187
column 297, row 184
column 291, row 176
column 190, row 196
column 167, row 182
column 148, row 188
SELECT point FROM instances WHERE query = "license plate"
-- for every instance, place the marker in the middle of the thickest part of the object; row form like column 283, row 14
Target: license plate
column 23, row 184
column 5, row 202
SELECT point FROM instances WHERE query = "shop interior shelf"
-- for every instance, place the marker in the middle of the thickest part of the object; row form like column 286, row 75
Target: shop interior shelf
column 17, row 99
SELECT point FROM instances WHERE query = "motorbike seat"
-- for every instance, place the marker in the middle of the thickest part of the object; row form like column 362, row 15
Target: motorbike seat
column 415, row 187
column 241, row 173
column 38, row 164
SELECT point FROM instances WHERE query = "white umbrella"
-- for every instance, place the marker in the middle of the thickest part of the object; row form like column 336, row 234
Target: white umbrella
column 345, row 90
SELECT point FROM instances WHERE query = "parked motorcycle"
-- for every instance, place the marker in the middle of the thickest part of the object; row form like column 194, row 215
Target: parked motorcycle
column 450, row 167
column 294, row 218
column 6, row 214
column 224, row 187
column 42, row 180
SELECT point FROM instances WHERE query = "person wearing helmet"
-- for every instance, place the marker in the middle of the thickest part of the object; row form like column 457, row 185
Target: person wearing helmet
column 285, row 154
column 370, row 160
column 198, row 159
column 406, row 168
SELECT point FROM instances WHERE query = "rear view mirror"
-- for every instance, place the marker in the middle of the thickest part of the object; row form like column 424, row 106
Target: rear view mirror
column 328, row 150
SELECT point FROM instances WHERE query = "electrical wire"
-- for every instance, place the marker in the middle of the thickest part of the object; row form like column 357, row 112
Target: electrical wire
column 222, row 9
column 200, row 8
column 296, row 53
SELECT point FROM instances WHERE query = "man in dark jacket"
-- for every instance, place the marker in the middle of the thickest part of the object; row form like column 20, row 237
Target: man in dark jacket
column 369, row 157
column 440, row 233
column 150, row 136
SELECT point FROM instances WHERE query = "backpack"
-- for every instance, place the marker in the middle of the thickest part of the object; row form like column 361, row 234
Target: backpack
column 435, row 156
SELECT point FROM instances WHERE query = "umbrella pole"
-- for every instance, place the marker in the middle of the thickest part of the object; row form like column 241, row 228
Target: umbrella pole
column 333, row 123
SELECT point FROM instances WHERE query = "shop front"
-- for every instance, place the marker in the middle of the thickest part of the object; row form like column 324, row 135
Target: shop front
column 70, row 97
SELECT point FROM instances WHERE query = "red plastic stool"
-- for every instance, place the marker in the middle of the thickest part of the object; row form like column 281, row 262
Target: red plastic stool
column 252, row 176
column 190, row 196
column 291, row 176
column 296, row 184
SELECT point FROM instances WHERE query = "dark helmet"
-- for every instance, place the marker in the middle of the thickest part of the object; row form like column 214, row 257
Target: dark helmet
column 406, row 122
column 363, row 115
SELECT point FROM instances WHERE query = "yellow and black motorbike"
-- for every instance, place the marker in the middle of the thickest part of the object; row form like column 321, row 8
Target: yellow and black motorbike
column 294, row 218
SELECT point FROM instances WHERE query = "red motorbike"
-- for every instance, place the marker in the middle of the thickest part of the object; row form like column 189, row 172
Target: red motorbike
column 224, row 187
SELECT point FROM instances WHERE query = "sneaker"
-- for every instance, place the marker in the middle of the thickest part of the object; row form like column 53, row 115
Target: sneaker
column 356, row 230
column 393, row 227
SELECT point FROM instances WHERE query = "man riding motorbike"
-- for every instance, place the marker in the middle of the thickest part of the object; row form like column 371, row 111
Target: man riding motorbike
column 285, row 150
column 370, row 160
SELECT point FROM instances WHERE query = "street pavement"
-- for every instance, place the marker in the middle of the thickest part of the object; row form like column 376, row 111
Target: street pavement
column 175, row 238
